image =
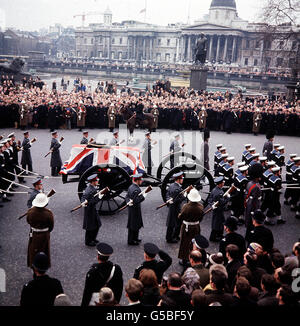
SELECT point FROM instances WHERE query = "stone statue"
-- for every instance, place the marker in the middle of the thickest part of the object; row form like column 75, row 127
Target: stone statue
column 201, row 50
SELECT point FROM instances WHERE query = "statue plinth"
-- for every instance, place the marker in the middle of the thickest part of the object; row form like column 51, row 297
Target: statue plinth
column 198, row 79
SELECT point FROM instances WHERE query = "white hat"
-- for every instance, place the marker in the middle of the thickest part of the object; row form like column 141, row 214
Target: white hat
column 271, row 163
column 194, row 196
column 248, row 145
column 244, row 168
column 224, row 155
column 255, row 155
column 240, row 164
column 276, row 169
column 280, row 148
column 219, row 145
column 293, row 155
column 252, row 149
column 297, row 158
column 262, row 158
column 231, row 158
column 41, row 200
column 276, row 145
column 223, row 149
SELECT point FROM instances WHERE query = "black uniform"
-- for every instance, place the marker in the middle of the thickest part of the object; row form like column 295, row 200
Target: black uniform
column 41, row 291
column 233, row 238
column 237, row 200
column 97, row 277
column 159, row 267
column 263, row 236
column 289, row 179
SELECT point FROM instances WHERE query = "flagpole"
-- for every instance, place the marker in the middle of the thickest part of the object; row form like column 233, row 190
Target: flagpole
column 145, row 17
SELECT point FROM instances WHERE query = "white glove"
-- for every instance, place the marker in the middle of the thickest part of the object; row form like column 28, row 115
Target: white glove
column 171, row 202
column 145, row 195
column 85, row 203
column 185, row 194
column 130, row 203
column 214, row 206
column 228, row 195
column 100, row 196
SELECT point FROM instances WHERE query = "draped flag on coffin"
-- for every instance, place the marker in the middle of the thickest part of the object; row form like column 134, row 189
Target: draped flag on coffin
column 83, row 157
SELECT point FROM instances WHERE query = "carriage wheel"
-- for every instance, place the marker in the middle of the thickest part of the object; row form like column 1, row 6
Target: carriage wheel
column 197, row 176
column 113, row 177
column 181, row 158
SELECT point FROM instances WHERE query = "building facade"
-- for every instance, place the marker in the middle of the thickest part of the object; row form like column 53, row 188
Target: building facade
column 230, row 39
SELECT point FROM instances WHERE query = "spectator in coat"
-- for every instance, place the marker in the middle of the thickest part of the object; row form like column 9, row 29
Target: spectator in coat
column 151, row 295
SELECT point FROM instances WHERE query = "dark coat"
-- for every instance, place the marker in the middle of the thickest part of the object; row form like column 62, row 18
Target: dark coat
column 174, row 209
column 191, row 212
column 135, row 219
column 232, row 268
column 218, row 214
column 233, row 238
column 225, row 299
column 263, row 236
column 267, row 299
column 253, row 201
column 91, row 220
column 55, row 155
column 159, row 267
column 176, row 298
column 84, row 141
column 146, row 157
column 97, row 277
column 41, row 291
column 206, row 155
column 151, row 296
column 31, row 197
column 26, row 155
column 39, row 218
column 267, row 149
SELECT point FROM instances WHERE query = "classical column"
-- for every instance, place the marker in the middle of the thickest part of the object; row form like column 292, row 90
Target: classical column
column 218, row 49
column 144, row 48
column 128, row 47
column 177, row 49
column 109, row 47
column 188, row 56
column 261, row 51
column 225, row 49
column 211, row 41
column 134, row 47
column 233, row 49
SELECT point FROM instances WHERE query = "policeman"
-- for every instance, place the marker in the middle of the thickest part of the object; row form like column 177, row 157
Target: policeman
column 42, row 290
column 85, row 140
column 173, row 194
column 134, row 198
column 159, row 267
column 237, row 200
column 56, row 161
column 246, row 152
column 218, row 202
column 275, row 206
column 289, row 178
column 38, row 188
column 26, row 160
column 102, row 274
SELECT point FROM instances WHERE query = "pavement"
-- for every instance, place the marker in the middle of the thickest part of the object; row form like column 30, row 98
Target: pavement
column 70, row 258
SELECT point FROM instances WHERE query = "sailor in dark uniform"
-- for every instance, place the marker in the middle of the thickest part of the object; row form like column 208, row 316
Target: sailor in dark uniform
column 91, row 220
column 296, row 192
column 217, row 156
column 289, row 178
column 26, row 160
column 228, row 171
column 218, row 160
column 279, row 157
column 38, row 188
column 263, row 162
column 56, row 162
column 158, row 266
column 275, row 206
column 249, row 156
column 134, row 198
column 238, row 171
column 43, row 289
column 173, row 223
column 102, row 274
column 246, row 152
column 217, row 196
column 85, row 140
column 274, row 152
column 237, row 200
column 254, row 159
column 222, row 163
column 266, row 202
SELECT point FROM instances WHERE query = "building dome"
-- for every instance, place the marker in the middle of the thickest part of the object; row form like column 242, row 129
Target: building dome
column 223, row 3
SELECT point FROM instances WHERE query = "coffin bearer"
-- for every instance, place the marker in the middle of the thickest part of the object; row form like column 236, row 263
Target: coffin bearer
column 191, row 216
column 38, row 188
column 85, row 140
column 41, row 221
column 135, row 219
column 26, row 160
column 173, row 194
column 91, row 220
column 56, row 161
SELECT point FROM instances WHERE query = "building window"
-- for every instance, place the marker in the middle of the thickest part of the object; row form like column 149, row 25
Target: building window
column 247, row 44
column 112, row 54
column 120, row 55
column 294, row 45
column 85, row 41
column 100, row 54
column 246, row 61
column 159, row 41
column 168, row 42
column 281, row 44
column 257, row 44
column 255, row 62
column 121, row 40
column 113, row 41
column 167, row 57
column 279, row 62
column 100, row 39
column 78, row 53
column 92, row 41
column 158, row 57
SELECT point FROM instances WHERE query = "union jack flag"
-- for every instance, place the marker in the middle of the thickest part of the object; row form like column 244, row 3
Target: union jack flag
column 83, row 157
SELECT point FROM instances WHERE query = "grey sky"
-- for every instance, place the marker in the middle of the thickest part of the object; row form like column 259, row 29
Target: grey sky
column 35, row 14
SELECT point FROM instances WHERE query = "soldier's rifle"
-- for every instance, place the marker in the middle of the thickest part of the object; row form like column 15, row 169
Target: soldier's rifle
column 51, row 150
column 172, row 152
column 31, row 142
column 186, row 190
column 101, row 192
column 146, row 191
column 49, row 195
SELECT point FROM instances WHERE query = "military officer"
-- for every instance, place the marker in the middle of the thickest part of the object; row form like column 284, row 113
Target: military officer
column 146, row 156
column 252, row 195
column 268, row 145
column 217, row 201
column 134, row 198
column 85, row 140
column 174, row 148
column 56, row 161
column 237, row 200
column 246, row 152
column 42, row 290
column 158, row 266
column 202, row 116
column 289, row 178
column 102, row 274
column 112, row 113
column 173, row 194
column 275, row 206
column 155, row 113
column 91, row 220
column 38, row 188
column 26, row 160
column 41, row 221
